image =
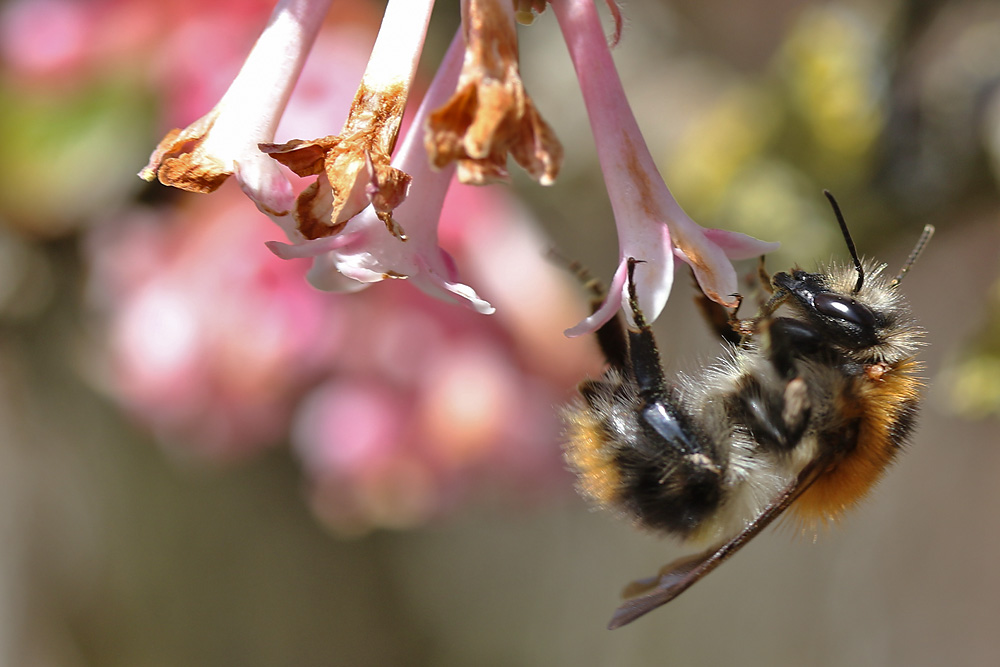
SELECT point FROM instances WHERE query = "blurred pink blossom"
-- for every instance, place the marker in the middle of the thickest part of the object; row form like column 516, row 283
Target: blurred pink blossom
column 401, row 407
column 70, row 41
column 435, row 405
column 211, row 338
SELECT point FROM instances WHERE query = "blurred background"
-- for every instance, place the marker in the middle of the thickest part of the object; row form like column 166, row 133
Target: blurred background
column 203, row 461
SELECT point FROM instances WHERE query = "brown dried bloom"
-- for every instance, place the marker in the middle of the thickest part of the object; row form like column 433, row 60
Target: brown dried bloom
column 490, row 114
column 353, row 166
column 364, row 145
column 181, row 161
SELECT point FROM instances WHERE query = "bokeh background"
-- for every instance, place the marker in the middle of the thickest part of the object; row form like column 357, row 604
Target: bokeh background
column 205, row 462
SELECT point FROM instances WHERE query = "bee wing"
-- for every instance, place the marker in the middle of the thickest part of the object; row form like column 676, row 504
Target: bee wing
column 673, row 579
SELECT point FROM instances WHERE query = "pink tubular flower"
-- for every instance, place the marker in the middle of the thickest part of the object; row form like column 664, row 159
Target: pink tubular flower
column 652, row 227
column 364, row 252
column 365, row 143
column 224, row 142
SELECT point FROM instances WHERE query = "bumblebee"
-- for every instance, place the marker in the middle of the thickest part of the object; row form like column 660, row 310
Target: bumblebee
column 816, row 396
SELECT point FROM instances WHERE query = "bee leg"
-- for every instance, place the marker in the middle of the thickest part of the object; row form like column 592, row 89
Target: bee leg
column 751, row 326
column 796, row 409
column 779, row 416
column 765, row 277
column 789, row 340
column 719, row 319
column 684, row 486
column 734, row 329
column 734, row 322
column 660, row 410
column 643, row 353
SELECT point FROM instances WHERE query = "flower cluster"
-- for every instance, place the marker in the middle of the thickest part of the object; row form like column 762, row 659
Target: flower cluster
column 372, row 211
column 397, row 406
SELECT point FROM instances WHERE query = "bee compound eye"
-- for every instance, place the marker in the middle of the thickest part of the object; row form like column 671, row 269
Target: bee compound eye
column 844, row 308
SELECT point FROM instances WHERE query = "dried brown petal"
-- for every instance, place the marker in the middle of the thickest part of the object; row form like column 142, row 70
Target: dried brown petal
column 538, row 150
column 313, row 211
column 304, row 158
column 490, row 115
column 339, row 160
column 492, row 169
column 525, row 11
column 180, row 161
column 387, row 189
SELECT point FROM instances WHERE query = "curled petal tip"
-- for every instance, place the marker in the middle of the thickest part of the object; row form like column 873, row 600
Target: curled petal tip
column 470, row 299
column 283, row 250
column 607, row 310
column 311, row 248
column 740, row 246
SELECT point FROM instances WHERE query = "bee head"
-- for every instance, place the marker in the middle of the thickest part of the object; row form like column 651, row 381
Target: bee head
column 840, row 317
column 855, row 307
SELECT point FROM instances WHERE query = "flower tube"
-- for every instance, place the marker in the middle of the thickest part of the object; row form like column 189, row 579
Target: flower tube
column 652, row 226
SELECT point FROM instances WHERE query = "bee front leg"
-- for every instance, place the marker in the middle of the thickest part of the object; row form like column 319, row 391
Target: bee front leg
column 643, row 353
column 752, row 326
column 611, row 335
column 672, row 471
column 778, row 415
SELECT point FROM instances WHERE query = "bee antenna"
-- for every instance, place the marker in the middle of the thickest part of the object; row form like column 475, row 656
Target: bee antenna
column 850, row 241
column 914, row 254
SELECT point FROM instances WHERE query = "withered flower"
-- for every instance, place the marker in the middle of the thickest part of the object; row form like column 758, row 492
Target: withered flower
column 353, row 167
column 203, row 155
column 490, row 114
column 363, row 252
